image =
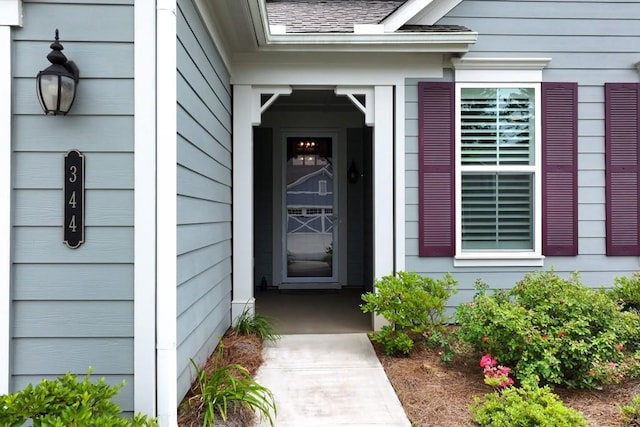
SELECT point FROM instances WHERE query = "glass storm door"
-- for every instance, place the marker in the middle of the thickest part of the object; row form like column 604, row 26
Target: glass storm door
column 309, row 211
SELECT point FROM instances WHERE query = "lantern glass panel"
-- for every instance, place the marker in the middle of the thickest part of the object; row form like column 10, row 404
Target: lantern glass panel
column 67, row 93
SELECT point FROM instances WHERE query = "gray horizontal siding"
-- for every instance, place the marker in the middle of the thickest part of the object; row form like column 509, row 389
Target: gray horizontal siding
column 102, row 171
column 50, row 282
column 204, row 194
column 79, row 319
column 589, row 42
column 54, row 356
column 73, row 309
column 44, row 207
column 87, row 133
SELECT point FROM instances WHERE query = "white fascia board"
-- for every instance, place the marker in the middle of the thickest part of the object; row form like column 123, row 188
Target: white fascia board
column 394, row 42
column 499, row 69
column 257, row 9
column 404, row 13
column 433, row 12
column 11, row 12
column 5, row 211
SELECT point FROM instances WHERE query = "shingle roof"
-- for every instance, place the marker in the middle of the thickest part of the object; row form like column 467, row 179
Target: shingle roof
column 328, row 16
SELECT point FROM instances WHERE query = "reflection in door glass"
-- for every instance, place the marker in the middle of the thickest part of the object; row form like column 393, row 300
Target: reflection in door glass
column 309, row 185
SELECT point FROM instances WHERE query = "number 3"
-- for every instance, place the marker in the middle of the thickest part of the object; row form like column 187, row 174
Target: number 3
column 74, row 174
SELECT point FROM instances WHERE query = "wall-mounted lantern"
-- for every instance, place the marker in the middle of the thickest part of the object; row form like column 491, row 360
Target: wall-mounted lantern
column 56, row 85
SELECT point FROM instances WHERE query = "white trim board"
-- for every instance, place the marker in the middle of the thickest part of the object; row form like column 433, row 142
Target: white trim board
column 5, row 211
column 144, row 359
column 11, row 13
column 166, row 213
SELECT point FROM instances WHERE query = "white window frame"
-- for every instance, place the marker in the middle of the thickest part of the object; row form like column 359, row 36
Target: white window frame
column 464, row 258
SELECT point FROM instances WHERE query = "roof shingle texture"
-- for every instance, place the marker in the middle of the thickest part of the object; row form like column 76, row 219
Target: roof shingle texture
column 328, row 16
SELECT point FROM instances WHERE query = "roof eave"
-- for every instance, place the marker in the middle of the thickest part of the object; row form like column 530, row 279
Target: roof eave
column 388, row 42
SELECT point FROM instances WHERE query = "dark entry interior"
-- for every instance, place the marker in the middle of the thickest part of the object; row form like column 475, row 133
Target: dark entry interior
column 320, row 310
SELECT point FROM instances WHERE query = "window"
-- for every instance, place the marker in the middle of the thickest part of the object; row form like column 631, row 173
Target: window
column 498, row 170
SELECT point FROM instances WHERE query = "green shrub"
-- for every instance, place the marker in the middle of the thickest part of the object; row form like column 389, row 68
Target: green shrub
column 231, row 387
column 65, row 402
column 631, row 412
column 549, row 329
column 626, row 291
column 255, row 324
column 413, row 305
column 528, row 406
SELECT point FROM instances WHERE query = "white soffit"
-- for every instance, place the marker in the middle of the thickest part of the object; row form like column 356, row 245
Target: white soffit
column 11, row 12
column 499, row 69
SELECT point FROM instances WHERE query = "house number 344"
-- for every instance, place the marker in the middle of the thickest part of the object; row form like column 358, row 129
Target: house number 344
column 74, row 199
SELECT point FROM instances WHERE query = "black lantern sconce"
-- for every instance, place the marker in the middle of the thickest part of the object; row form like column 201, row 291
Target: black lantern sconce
column 56, row 85
column 353, row 174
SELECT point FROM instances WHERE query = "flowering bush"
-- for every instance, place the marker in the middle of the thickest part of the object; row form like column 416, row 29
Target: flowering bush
column 497, row 376
column 549, row 329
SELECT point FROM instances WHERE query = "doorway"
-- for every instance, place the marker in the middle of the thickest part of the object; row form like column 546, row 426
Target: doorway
column 313, row 213
column 310, row 211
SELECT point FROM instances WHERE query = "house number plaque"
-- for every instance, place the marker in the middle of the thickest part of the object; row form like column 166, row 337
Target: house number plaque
column 74, row 199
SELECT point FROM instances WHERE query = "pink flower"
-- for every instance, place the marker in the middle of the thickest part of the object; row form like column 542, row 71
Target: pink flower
column 487, row 361
column 612, row 365
column 619, row 347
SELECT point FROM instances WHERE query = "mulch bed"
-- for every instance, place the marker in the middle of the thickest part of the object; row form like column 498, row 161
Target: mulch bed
column 431, row 393
column 233, row 349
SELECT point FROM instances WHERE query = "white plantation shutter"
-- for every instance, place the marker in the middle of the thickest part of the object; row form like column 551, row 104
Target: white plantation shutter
column 497, row 146
column 497, row 211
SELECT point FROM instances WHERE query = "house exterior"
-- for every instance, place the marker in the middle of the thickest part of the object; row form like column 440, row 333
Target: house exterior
column 490, row 138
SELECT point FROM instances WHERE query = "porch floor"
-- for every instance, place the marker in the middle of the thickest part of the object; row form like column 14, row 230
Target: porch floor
column 314, row 311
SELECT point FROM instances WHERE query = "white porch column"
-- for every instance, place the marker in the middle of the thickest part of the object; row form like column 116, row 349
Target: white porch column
column 383, row 184
column 242, row 201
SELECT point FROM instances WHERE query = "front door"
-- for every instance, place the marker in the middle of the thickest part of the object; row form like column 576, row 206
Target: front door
column 309, row 213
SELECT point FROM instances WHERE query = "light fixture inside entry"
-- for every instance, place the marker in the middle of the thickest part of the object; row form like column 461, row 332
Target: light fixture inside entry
column 305, row 151
column 56, row 85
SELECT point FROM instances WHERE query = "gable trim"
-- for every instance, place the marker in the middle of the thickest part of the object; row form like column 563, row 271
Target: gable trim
column 404, row 13
column 5, row 212
column 434, row 12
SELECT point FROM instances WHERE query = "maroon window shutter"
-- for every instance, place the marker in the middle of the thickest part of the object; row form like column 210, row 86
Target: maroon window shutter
column 436, row 168
column 559, row 169
column 622, row 119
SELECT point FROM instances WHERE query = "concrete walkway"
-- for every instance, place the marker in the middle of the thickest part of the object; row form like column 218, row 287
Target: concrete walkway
column 329, row 380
